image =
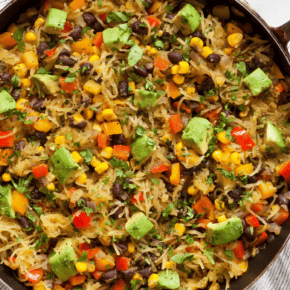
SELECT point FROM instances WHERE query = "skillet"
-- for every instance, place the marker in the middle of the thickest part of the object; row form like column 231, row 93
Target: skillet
column 279, row 38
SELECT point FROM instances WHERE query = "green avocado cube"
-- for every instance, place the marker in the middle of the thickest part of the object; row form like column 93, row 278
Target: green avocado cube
column 62, row 260
column 225, row 232
column 147, row 99
column 257, row 82
column 197, row 134
column 274, row 140
column 142, row 148
column 6, row 102
column 55, row 21
column 187, row 19
column 48, row 84
column 138, row 225
column 5, row 202
column 168, row 279
column 63, row 165
column 115, row 38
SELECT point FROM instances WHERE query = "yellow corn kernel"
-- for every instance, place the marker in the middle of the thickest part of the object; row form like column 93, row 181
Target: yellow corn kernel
column 38, row 22
column 220, row 80
column 105, row 241
column 211, row 214
column 21, row 104
column 81, row 267
column 30, row 59
column 96, row 50
column 82, row 179
column 174, row 69
column 244, row 169
column 131, row 248
column 76, row 156
column 51, row 187
column 137, row 277
column 95, row 162
column 132, row 86
column 196, row 41
column 101, row 168
column 153, row 280
column 217, row 155
column 26, row 83
column 219, row 204
column 21, row 70
column 235, row 39
column 153, row 50
column 221, row 218
column 42, row 125
column 275, row 207
column 92, row 87
column 191, row 91
column 30, row 37
column 228, row 50
column 179, row 229
column 192, row 158
column 76, row 54
column 236, row 158
column 206, row 51
column 231, row 28
column 179, row 146
column 100, row 118
column 97, row 127
column 12, row 28
column 267, row 189
column 222, row 138
column 6, row 177
column 170, row 265
column 94, row 58
column 121, row 102
column 40, row 148
column 109, row 115
column 107, row 153
column 243, row 266
column 183, row 67
column 166, row 137
column 78, row 118
column 192, row 190
column 88, row 113
column 178, row 79
column 39, row 286
column 31, row 12
column 60, row 140
column 91, row 267
column 156, row 5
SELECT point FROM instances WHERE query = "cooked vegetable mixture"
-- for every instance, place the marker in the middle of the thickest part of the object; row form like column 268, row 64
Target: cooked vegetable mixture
column 144, row 144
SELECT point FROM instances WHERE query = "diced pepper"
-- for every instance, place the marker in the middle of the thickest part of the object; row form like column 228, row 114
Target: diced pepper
column 68, row 87
column 82, row 221
column 12, row 260
column 122, row 152
column 239, row 250
column 203, row 205
column 50, row 52
column 202, row 223
column 281, row 217
column 103, row 265
column 213, row 115
column 182, row 107
column 175, row 174
column 267, row 189
column 112, row 128
column 252, row 221
column 82, row 46
column 173, row 90
column 279, row 88
column 98, row 39
column 77, row 4
column 40, row 170
column 284, row 170
column 256, row 207
column 6, row 141
column 91, row 252
column 261, row 239
column 67, row 27
column 19, row 202
column 153, row 21
column 98, row 275
column 7, row 39
column 175, row 123
column 77, row 280
column 102, row 140
column 134, row 198
column 243, row 138
column 34, row 276
column 4, row 155
column 160, row 168
column 122, row 263
column 161, row 63
column 103, row 17
column 119, row 285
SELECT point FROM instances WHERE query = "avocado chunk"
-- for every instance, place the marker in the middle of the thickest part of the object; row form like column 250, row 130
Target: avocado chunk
column 138, row 225
column 274, row 139
column 197, row 134
column 62, row 260
column 55, row 21
column 62, row 165
column 257, row 82
column 6, row 102
column 142, row 148
column 48, row 84
column 225, row 232
column 187, row 19
column 147, row 99
column 5, row 201
column 115, row 38
column 168, row 279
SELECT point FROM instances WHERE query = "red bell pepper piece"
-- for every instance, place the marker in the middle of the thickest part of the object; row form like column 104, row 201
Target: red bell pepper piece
column 122, row 152
column 285, row 170
column 119, row 285
column 202, row 223
column 153, row 21
column 243, row 138
column 134, row 198
column 122, row 263
column 77, row 280
column 281, row 217
column 40, row 170
column 103, row 17
column 213, row 115
column 203, row 205
column 6, row 141
column 257, row 207
column 68, row 87
column 182, row 107
column 175, row 124
column 34, row 276
column 261, row 239
column 161, row 63
column 82, row 221
column 160, row 168
column 50, row 52
column 102, row 141
column 86, row 247
column 98, row 275
column 252, row 221
column 279, row 88
column 67, row 27
column 98, row 39
column 239, row 250
column 12, row 260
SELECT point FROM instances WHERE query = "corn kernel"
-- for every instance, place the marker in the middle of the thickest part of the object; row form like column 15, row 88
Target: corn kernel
column 76, row 54
column 183, row 67
column 30, row 37
column 78, row 118
column 82, row 179
column 132, row 86
column 30, row 59
column 179, row 146
column 38, row 22
column 88, row 113
column 31, row 12
column 196, row 41
column 153, row 50
column 243, row 266
column 105, row 241
column 219, row 204
column 222, row 138
column 192, row 158
column 101, row 168
column 221, row 218
column 107, row 153
column 39, row 286
column 21, row 104
column 206, row 51
column 178, row 79
column 131, row 248
column 190, row 91
column 92, row 87
column 51, row 187
column 217, row 155
column 236, row 158
column 244, row 169
column 231, row 28
column 91, row 267
column 12, row 28
column 60, row 140
column 228, row 50
column 21, row 70
column 235, row 39
column 137, row 277
column 192, row 190
column 77, row 157
column 96, row 50
column 153, row 280
column 156, row 5
column 174, row 69
column 179, row 229
column 97, row 127
column 220, row 80
column 109, row 115
column 94, row 58
column 121, row 102
column 100, row 118
column 6, row 177
column 40, row 148
column 81, row 267
column 169, row 265
column 26, row 83
column 166, row 137
column 95, row 162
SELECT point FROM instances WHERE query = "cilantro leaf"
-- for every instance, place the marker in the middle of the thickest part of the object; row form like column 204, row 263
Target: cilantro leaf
column 22, row 185
column 15, row 81
column 241, row 66
column 229, row 254
column 135, row 54
column 83, row 257
column 168, row 210
column 118, row 17
column 140, row 131
column 38, row 209
column 209, row 253
column 18, row 34
column 43, row 71
column 68, row 136
column 189, row 239
column 179, row 259
column 227, row 174
column 87, row 155
column 42, row 241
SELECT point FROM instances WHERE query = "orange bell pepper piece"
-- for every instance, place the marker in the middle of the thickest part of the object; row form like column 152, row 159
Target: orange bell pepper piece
column 161, row 63
column 175, row 124
column 203, row 205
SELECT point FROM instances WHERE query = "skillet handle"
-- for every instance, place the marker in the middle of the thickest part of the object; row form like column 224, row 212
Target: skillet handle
column 283, row 34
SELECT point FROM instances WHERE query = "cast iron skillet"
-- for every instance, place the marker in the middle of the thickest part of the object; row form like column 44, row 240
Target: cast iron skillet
column 262, row 261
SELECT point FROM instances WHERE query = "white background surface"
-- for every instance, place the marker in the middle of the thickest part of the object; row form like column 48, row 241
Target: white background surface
column 275, row 13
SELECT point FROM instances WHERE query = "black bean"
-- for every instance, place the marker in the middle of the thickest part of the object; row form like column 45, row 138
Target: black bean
column 190, row 171
column 20, row 145
column 117, row 189
column 117, row 139
column 207, row 85
column 249, row 234
column 86, row 68
column 170, row 16
column 175, row 57
column 193, row 105
column 5, row 77
column 124, row 196
column 110, row 275
column 123, row 89
column 211, row 197
column 197, row 34
column 235, row 194
column 129, row 273
column 24, row 223
column 252, row 179
column 147, row 4
column 214, row 58
column 36, row 194
column 146, row 272
column 122, row 247
column 92, row 204
column 64, row 52
column 3, row 65
column 15, row 94
column 66, row 61
column 98, row 27
column 42, row 48
column 36, row 103
column 149, row 67
column 170, row 187
column 281, row 199
column 83, row 201
column 117, row 213
column 174, row 158
column 80, row 125
column 138, row 28
column 89, row 18
column 76, row 34
column 99, row 80
column 40, row 135
column 86, row 101
column 140, row 71
column 244, row 223
column 271, row 238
